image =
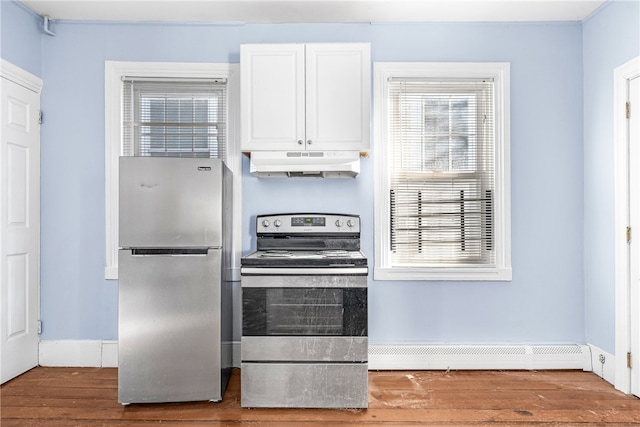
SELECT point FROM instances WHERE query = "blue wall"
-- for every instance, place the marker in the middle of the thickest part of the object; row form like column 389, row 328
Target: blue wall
column 611, row 38
column 20, row 38
column 545, row 302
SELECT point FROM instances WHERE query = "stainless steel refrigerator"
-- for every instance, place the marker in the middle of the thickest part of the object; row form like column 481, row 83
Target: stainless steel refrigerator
column 175, row 320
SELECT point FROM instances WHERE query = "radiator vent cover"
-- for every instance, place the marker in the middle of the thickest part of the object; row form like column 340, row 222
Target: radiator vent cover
column 442, row 357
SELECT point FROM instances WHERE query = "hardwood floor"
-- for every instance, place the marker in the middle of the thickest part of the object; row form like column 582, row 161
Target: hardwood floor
column 56, row 397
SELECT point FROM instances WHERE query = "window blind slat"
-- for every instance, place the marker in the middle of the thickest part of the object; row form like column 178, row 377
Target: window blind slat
column 442, row 171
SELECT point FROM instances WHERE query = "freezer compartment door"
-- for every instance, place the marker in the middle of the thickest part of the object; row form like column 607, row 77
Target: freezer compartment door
column 171, row 202
column 169, row 336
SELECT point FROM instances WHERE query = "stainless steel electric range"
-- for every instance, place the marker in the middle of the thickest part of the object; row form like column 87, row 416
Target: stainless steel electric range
column 304, row 319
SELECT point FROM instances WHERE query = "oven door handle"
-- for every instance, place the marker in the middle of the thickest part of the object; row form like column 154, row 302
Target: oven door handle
column 332, row 271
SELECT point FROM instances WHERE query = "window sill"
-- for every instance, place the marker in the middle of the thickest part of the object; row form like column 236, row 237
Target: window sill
column 111, row 273
column 448, row 273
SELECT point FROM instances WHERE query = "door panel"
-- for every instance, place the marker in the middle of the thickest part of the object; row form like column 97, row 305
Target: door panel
column 18, row 185
column 19, row 229
column 17, row 281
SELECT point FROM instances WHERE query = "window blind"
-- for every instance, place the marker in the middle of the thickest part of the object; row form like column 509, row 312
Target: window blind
column 172, row 118
column 442, row 174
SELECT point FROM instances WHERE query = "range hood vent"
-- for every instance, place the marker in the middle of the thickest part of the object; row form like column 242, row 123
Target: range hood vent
column 314, row 164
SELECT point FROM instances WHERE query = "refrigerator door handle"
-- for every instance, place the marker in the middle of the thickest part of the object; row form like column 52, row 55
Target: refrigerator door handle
column 170, row 252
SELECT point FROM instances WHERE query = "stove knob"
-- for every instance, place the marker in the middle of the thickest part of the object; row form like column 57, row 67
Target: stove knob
column 265, row 223
column 277, row 223
column 350, row 223
column 339, row 223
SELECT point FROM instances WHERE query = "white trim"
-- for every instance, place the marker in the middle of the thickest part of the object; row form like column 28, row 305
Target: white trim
column 96, row 353
column 114, row 72
column 621, row 194
column 78, row 353
column 603, row 364
column 109, row 354
column 442, row 273
column 460, row 357
column 93, row 353
column 500, row 71
column 19, row 76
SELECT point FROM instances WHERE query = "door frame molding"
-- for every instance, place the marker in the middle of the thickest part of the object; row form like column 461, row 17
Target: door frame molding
column 20, row 76
column 621, row 75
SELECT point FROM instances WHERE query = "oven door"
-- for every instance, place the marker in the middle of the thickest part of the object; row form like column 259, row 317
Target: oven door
column 305, row 318
column 304, row 306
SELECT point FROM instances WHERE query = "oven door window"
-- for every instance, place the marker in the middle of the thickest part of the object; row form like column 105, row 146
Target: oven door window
column 304, row 312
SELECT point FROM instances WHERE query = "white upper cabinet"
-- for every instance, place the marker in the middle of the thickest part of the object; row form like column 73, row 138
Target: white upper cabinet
column 305, row 96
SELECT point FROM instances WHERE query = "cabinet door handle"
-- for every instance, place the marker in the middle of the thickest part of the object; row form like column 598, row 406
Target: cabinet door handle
column 299, row 142
column 309, row 142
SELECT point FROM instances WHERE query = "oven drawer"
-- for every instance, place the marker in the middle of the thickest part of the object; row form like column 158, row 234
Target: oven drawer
column 302, row 385
column 305, row 349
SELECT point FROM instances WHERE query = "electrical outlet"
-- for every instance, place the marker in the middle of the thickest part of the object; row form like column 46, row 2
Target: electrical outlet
column 602, row 359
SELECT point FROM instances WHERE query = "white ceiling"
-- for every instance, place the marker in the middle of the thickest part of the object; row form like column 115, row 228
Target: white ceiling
column 315, row 11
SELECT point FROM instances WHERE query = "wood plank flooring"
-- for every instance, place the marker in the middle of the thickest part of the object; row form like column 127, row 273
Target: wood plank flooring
column 87, row 397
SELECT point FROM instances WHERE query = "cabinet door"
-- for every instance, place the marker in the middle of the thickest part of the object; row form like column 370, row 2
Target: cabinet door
column 338, row 96
column 272, row 97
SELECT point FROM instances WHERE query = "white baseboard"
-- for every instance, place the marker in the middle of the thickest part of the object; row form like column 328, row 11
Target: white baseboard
column 443, row 357
column 80, row 353
column 94, row 353
column 91, row 353
column 604, row 364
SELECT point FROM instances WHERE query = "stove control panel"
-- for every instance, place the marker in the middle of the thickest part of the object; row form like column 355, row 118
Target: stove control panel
column 308, row 223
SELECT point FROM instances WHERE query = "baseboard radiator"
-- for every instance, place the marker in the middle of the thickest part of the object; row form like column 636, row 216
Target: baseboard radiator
column 460, row 357
column 381, row 357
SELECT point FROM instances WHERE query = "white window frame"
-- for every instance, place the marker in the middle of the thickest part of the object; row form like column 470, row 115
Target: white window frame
column 115, row 71
column 500, row 72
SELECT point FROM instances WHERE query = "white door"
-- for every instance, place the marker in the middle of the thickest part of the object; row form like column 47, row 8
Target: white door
column 634, row 256
column 19, row 221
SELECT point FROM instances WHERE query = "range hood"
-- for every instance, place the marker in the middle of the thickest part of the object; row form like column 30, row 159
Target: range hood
column 319, row 164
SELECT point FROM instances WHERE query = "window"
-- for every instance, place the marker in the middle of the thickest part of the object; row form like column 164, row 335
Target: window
column 175, row 110
column 174, row 118
column 442, row 189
